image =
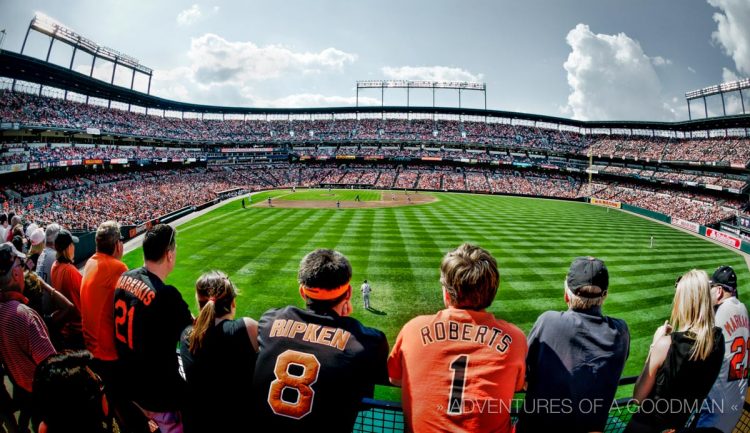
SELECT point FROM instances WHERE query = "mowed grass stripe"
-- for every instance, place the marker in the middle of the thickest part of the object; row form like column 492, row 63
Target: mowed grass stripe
column 399, row 250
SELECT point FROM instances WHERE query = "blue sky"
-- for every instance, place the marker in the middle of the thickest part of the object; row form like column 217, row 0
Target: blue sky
column 584, row 59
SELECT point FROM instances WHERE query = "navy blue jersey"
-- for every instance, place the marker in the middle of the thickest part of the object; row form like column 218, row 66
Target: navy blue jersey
column 314, row 369
column 149, row 318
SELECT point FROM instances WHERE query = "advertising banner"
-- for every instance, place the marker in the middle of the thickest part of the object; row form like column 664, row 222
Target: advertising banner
column 687, row 225
column 13, row 168
column 723, row 238
column 607, row 203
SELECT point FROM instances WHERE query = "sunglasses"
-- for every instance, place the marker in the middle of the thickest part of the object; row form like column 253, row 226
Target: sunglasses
column 171, row 238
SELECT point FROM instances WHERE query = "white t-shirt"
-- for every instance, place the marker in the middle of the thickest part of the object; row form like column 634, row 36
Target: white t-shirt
column 724, row 403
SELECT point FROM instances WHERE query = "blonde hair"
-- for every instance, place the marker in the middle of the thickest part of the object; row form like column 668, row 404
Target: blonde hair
column 470, row 277
column 693, row 312
column 36, row 249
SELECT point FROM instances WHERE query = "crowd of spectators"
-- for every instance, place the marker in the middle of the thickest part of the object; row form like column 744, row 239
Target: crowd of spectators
column 51, row 153
column 39, row 111
column 700, row 208
column 133, row 198
column 725, row 180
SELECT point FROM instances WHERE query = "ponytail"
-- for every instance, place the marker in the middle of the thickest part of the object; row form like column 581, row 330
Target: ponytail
column 215, row 294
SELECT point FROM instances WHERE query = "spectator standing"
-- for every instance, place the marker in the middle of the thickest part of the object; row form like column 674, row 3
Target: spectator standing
column 451, row 362
column 3, row 225
column 36, row 240
column 100, row 276
column 330, row 359
column 218, row 356
column 149, row 319
column 47, row 257
column 682, row 365
column 730, row 388
column 575, row 357
column 24, row 342
column 67, row 279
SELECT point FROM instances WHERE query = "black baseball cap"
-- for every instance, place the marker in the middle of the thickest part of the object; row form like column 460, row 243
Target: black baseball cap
column 725, row 277
column 64, row 239
column 8, row 255
column 590, row 273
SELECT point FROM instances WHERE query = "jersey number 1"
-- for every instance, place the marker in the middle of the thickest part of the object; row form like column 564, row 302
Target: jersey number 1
column 296, row 383
column 456, row 397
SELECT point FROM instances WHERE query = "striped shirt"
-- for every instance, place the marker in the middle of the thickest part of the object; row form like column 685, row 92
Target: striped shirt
column 24, row 342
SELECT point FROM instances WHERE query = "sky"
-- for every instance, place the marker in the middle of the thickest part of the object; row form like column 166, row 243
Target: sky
column 580, row 59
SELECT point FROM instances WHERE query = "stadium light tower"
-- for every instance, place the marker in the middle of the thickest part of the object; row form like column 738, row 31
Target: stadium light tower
column 408, row 84
column 56, row 31
column 719, row 89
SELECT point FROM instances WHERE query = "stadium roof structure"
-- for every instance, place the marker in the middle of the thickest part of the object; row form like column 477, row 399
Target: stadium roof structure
column 21, row 67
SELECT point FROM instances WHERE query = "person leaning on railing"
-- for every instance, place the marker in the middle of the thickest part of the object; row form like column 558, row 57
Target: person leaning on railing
column 683, row 361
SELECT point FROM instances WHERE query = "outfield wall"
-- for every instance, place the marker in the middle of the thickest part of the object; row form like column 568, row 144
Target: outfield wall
column 729, row 240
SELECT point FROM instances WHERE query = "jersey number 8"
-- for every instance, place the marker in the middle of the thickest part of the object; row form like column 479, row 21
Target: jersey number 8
column 306, row 368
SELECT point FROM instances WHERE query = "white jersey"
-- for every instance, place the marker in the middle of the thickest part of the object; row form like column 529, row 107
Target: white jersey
column 365, row 289
column 725, row 400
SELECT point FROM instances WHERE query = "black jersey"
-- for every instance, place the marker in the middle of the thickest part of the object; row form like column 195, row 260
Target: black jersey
column 149, row 318
column 314, row 369
column 223, row 367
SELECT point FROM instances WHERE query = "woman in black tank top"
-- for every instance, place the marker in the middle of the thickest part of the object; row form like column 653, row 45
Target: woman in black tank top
column 218, row 356
column 681, row 366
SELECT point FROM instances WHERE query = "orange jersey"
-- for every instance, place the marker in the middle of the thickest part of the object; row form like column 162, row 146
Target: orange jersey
column 458, row 370
column 67, row 280
column 97, row 304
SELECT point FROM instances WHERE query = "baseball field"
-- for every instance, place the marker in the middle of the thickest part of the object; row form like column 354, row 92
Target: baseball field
column 396, row 242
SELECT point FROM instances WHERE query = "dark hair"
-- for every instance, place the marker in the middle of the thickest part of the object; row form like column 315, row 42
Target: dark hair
column 69, row 395
column 324, row 269
column 158, row 240
column 107, row 237
column 3, row 218
column 17, row 242
column 470, row 276
column 215, row 295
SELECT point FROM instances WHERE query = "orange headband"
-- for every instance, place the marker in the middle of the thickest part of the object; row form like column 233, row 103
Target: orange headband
column 324, row 294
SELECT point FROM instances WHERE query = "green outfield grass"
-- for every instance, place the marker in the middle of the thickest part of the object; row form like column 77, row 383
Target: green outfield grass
column 333, row 195
column 399, row 251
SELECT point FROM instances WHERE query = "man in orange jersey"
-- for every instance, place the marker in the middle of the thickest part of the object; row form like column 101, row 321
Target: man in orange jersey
column 459, row 368
column 100, row 277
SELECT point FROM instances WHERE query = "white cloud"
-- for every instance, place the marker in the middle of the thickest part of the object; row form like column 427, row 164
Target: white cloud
column 728, row 75
column 691, row 69
column 215, row 60
column 225, row 73
column 305, row 100
column 733, row 31
column 189, row 15
column 429, row 73
column 611, row 78
column 660, row 61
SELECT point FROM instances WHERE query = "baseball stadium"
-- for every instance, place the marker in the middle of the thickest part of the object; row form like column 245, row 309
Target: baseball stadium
column 395, row 189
